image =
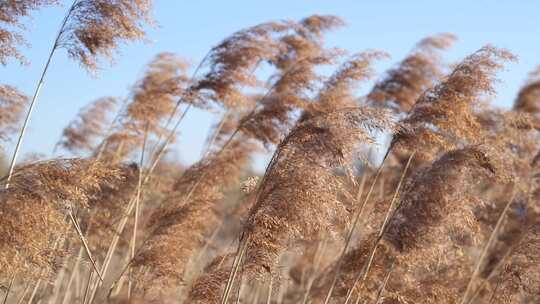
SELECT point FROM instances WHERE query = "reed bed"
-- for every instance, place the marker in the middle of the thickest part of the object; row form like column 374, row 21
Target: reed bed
column 418, row 191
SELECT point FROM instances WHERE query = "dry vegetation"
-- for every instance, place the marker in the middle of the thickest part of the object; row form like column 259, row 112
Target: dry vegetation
column 450, row 215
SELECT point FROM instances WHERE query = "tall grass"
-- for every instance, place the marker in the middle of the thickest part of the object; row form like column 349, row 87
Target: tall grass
column 451, row 215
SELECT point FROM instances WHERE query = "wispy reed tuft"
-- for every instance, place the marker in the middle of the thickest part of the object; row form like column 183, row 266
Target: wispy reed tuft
column 187, row 216
column 403, row 84
column 83, row 133
column 314, row 205
column 12, row 104
column 96, row 29
column 11, row 13
column 443, row 117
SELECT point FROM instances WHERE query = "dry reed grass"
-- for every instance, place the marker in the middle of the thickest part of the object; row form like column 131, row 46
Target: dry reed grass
column 451, row 215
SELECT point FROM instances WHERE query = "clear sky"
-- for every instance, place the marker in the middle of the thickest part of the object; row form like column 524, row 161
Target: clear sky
column 190, row 28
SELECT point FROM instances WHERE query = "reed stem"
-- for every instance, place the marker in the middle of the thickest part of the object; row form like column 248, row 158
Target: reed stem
column 36, row 95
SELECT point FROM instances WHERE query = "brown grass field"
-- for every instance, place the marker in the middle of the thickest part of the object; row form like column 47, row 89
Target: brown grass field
column 449, row 215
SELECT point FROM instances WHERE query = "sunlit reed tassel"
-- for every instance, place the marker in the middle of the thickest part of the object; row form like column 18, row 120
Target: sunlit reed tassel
column 312, row 148
column 11, row 13
column 418, row 71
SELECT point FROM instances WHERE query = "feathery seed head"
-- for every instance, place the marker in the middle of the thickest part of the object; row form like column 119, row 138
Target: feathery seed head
column 443, row 116
column 96, row 28
column 403, row 84
column 12, row 104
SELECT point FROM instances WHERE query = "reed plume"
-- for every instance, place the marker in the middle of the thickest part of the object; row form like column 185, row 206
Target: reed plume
column 179, row 227
column 514, row 133
column 11, row 13
column 513, row 249
column 302, row 53
column 12, row 103
column 95, row 29
column 462, row 229
column 108, row 207
column 156, row 93
column 314, row 205
column 353, row 262
column 443, row 189
column 528, row 99
column 437, row 218
column 152, row 101
column 35, row 207
column 233, row 61
column 208, row 288
column 338, row 90
column 519, row 281
column 83, row 133
column 443, row 117
column 403, row 84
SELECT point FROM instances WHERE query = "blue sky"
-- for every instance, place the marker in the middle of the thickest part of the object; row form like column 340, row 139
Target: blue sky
column 190, row 28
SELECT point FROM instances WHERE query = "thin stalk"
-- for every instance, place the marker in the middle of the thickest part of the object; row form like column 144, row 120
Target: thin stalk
column 351, row 230
column 256, row 296
column 495, row 269
column 179, row 101
column 85, row 244
column 213, row 137
column 240, row 290
column 74, row 271
column 486, row 248
column 381, row 290
column 143, row 179
column 87, row 288
column 8, row 289
column 282, row 291
column 36, row 94
column 362, row 275
column 130, row 207
column 114, row 243
column 115, row 239
column 137, row 204
column 38, row 283
column 242, row 248
column 269, row 296
column 116, row 286
column 78, row 283
column 358, row 298
column 25, row 291
column 209, row 241
column 494, row 292
column 34, row 292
